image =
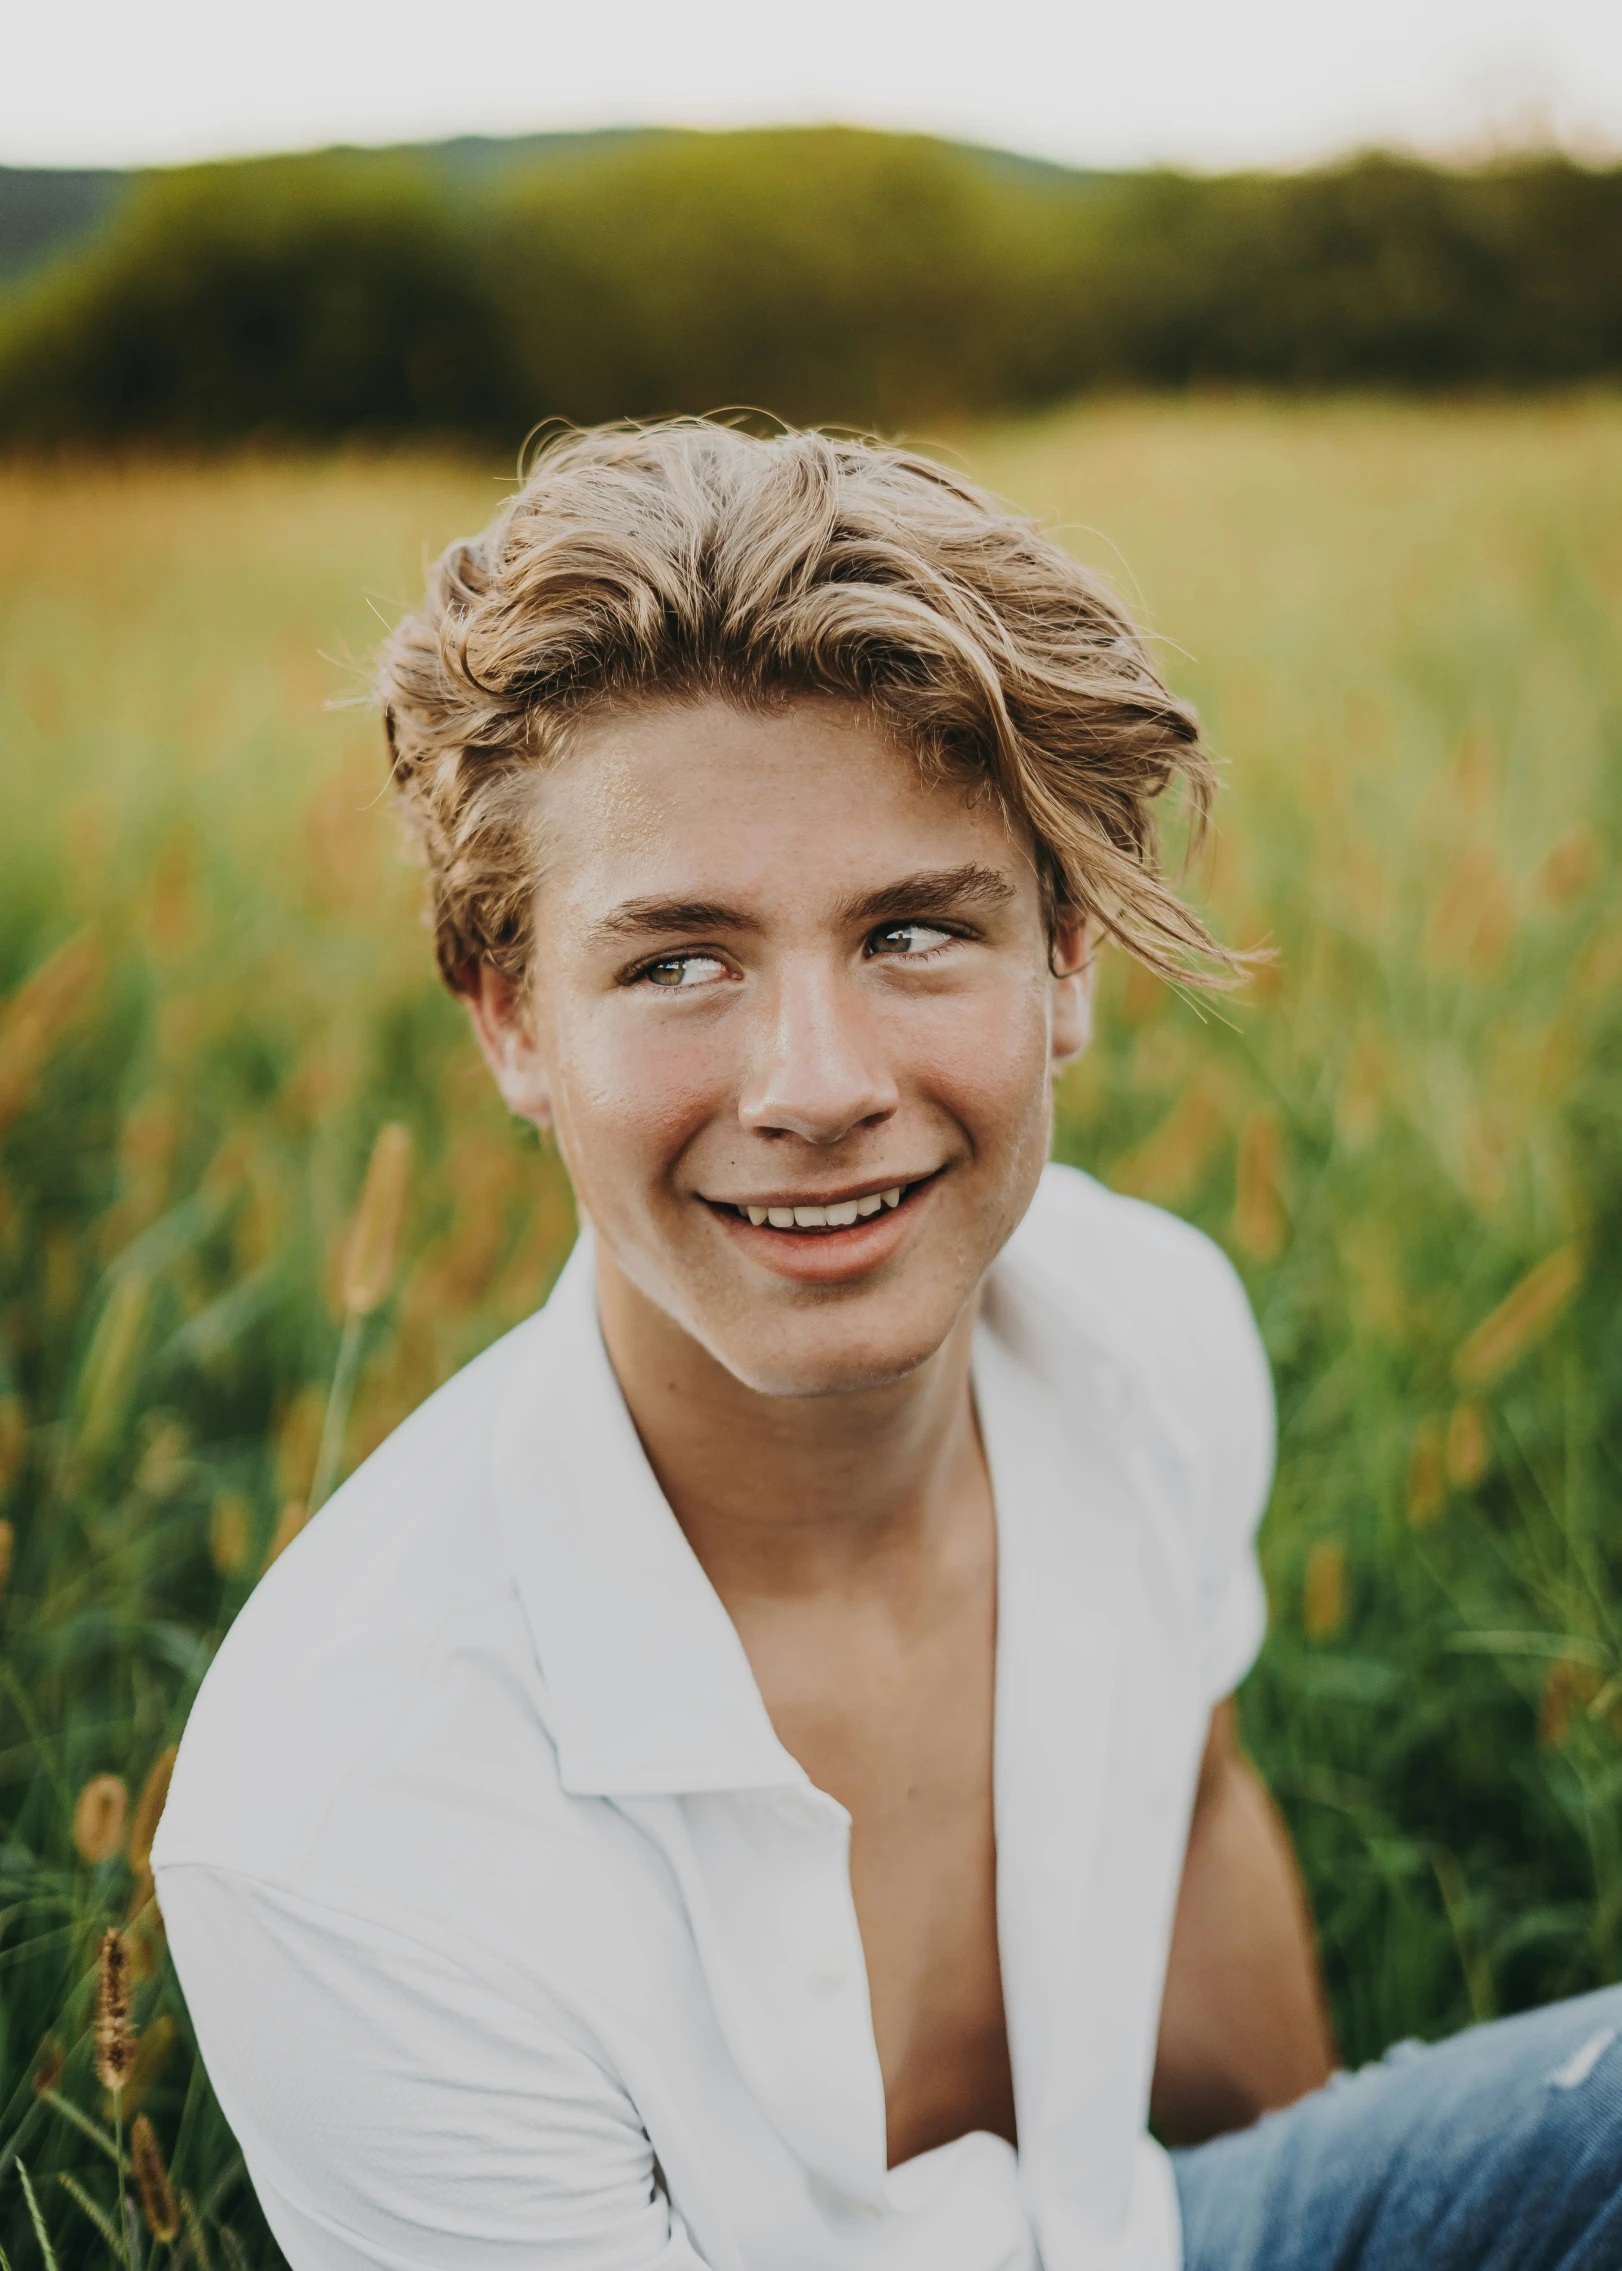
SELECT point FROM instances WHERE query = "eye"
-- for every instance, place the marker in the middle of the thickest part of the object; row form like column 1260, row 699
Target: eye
column 908, row 941
column 673, row 971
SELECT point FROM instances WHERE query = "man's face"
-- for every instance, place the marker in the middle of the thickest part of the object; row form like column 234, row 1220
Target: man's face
column 792, row 1018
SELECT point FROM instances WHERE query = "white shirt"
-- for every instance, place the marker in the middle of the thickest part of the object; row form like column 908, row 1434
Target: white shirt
column 514, row 1937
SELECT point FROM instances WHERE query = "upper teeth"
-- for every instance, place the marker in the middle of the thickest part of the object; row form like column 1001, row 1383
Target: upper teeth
column 836, row 1217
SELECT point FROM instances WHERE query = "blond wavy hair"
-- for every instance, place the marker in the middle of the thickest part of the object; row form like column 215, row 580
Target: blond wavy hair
column 688, row 559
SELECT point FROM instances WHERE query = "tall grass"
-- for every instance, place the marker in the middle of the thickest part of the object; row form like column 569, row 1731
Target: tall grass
column 214, row 995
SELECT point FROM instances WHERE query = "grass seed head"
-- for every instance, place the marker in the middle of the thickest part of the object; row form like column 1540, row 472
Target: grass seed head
column 1520, row 1319
column 298, row 1440
column 32, row 1021
column 114, row 2027
column 1427, row 1476
column 163, row 1463
column 13, row 1437
column 1570, row 869
column 289, row 1522
column 375, row 1232
column 1468, row 1451
column 99, row 1818
column 152, row 2181
column 1260, row 1226
column 143, row 1929
column 149, row 1812
column 1323, row 1590
column 1167, row 1165
column 1568, row 1689
column 230, row 1533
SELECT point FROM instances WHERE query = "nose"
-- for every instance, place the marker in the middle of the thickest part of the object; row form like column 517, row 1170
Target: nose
column 819, row 1072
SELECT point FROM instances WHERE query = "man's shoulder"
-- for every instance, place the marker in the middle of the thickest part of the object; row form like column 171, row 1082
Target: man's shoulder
column 332, row 1655
column 1093, row 1276
column 1123, row 1267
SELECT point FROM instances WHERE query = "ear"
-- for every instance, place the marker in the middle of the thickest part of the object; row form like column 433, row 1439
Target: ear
column 504, row 1029
column 1073, row 962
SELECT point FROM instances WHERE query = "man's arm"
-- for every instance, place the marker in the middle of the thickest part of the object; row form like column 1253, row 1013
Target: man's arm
column 400, row 2112
column 1244, row 2025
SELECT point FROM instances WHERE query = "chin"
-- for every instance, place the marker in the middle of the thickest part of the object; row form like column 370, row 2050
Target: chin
column 829, row 1356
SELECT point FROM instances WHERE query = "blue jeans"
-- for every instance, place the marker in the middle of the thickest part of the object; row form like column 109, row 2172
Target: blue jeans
column 1498, row 2151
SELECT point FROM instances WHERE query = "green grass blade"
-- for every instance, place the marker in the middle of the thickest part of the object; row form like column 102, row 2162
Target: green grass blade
column 82, row 2122
column 194, row 2231
column 345, row 1373
column 98, row 2215
column 40, row 2233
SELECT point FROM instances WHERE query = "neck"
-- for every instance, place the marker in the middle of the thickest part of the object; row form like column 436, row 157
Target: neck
column 793, row 1495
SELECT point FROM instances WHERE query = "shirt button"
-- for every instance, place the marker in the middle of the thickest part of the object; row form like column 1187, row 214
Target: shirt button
column 828, row 1977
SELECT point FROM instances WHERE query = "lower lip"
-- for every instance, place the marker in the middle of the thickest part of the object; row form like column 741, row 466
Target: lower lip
column 830, row 1257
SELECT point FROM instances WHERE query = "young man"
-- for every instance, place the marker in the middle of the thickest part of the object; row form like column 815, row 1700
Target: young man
column 746, row 1777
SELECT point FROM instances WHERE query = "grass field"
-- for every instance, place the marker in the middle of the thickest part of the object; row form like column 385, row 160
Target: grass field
column 1401, row 626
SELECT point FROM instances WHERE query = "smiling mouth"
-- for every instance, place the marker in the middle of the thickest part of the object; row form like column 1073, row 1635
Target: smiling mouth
column 817, row 1218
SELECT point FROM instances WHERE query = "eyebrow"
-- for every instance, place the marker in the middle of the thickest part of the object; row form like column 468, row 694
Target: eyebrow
column 934, row 891
column 664, row 918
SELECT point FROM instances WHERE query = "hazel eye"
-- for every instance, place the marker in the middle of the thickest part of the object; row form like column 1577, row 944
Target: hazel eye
column 907, row 941
column 673, row 971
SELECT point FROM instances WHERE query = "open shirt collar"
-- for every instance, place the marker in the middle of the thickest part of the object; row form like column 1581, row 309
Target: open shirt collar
column 649, row 1689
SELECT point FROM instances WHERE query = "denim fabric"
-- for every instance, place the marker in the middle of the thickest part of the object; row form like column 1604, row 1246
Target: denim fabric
column 1498, row 2151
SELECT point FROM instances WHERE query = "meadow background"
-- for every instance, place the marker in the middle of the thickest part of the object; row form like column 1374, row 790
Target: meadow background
column 1399, row 620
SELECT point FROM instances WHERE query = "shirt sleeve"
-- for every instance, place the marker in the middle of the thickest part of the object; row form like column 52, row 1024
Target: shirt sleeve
column 1228, row 1391
column 1175, row 1293
column 397, row 2109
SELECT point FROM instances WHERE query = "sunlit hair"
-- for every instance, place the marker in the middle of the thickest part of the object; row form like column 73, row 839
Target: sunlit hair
column 691, row 559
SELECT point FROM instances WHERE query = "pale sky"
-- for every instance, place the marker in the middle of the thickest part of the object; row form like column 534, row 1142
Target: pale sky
column 1209, row 83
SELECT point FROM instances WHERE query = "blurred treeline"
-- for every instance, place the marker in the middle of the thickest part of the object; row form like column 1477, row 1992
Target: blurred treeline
column 825, row 274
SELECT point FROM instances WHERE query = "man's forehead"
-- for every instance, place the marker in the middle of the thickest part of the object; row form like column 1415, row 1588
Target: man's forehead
column 701, row 803
column 667, row 756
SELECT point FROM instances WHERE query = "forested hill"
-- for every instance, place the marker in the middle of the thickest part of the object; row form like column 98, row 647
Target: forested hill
column 48, row 210
column 476, row 287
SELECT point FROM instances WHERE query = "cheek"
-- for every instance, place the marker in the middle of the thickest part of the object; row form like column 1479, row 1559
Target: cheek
column 986, row 1059
column 628, row 1097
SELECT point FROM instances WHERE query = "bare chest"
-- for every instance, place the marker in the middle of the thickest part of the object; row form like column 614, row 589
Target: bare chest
column 898, row 1728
